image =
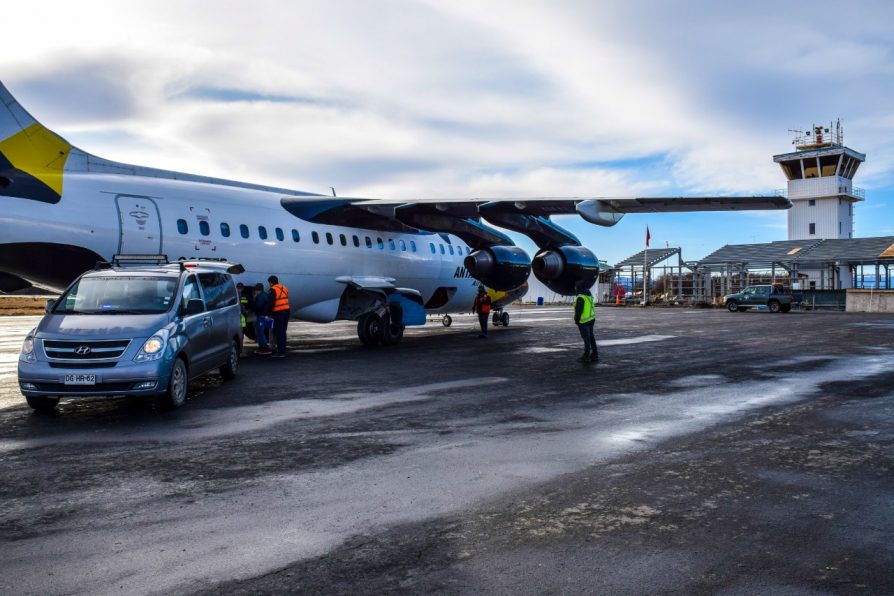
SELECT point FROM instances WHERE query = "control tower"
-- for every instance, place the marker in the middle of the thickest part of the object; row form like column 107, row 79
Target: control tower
column 820, row 184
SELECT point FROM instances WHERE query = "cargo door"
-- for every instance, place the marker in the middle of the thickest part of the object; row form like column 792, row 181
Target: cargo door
column 139, row 225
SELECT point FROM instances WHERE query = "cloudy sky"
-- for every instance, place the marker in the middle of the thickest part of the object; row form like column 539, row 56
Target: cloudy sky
column 401, row 99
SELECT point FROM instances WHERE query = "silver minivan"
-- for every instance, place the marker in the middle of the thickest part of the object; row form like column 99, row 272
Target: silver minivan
column 134, row 330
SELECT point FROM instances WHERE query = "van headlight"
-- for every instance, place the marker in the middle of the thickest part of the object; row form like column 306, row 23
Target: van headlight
column 154, row 347
column 28, row 354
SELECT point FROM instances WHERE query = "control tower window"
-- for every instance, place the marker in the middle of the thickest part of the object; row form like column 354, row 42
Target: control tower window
column 828, row 165
column 810, row 169
column 792, row 169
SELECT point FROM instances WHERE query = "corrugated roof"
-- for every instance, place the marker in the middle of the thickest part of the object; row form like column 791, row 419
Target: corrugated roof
column 845, row 250
column 656, row 255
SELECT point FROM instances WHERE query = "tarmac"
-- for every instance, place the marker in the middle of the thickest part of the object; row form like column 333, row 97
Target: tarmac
column 706, row 453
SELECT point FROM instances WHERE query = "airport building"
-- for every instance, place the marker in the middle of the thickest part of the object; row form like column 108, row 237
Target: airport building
column 820, row 257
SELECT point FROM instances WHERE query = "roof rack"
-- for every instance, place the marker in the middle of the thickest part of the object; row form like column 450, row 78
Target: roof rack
column 139, row 259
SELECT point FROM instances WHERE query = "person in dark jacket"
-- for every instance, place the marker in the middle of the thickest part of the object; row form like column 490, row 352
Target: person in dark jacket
column 262, row 311
column 481, row 306
column 585, row 318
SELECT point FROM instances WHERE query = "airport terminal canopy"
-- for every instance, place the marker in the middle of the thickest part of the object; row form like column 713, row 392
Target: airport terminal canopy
column 786, row 253
column 650, row 257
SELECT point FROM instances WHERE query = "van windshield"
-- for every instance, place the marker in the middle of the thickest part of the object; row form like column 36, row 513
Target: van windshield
column 118, row 295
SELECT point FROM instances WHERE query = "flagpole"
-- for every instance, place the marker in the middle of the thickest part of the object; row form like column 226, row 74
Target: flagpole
column 645, row 267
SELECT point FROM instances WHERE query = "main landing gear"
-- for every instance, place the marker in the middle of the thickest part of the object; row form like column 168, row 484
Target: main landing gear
column 373, row 329
column 500, row 317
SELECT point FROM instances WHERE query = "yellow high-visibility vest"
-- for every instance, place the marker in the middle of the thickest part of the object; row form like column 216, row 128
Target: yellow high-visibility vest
column 589, row 311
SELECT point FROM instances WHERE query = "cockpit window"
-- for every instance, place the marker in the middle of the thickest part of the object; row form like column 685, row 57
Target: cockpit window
column 118, row 295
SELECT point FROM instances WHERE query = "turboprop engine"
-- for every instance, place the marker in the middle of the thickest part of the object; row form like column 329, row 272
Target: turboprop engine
column 561, row 267
column 499, row 266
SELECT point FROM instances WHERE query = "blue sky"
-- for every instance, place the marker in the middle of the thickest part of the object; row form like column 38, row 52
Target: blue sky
column 399, row 99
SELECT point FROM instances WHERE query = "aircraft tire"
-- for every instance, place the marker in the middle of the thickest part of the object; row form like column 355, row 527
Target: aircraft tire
column 368, row 327
column 42, row 403
column 496, row 319
column 447, row 321
column 504, row 319
column 392, row 334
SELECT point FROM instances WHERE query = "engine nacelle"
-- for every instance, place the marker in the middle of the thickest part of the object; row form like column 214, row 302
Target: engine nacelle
column 499, row 266
column 561, row 268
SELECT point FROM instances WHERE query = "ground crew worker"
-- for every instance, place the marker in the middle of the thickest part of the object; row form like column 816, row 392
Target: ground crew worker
column 482, row 307
column 243, row 305
column 262, row 310
column 279, row 299
column 585, row 318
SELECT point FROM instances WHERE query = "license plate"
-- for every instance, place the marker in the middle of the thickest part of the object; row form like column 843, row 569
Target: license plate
column 80, row 380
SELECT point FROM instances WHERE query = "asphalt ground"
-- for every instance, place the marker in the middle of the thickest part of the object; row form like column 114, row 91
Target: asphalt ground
column 706, row 453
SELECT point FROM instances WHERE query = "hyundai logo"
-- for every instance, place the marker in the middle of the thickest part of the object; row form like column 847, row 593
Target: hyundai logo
column 82, row 350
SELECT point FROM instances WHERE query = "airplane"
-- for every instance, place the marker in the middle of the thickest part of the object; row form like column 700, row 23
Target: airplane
column 385, row 264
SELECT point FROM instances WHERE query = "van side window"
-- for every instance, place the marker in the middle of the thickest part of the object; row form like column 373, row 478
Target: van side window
column 189, row 292
column 262, row 232
column 243, row 230
column 204, row 228
column 279, row 234
column 182, row 227
column 295, row 236
column 225, row 229
column 218, row 289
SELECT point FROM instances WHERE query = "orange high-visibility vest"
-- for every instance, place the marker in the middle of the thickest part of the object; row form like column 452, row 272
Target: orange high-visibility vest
column 282, row 297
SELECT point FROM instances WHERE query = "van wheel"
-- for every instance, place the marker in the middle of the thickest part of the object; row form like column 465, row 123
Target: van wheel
column 732, row 306
column 42, row 403
column 177, row 385
column 228, row 370
column 774, row 306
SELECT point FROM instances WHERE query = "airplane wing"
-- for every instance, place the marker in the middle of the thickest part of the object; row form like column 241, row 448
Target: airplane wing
column 462, row 216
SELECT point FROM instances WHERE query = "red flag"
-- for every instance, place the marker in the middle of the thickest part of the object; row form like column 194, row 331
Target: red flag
column 648, row 236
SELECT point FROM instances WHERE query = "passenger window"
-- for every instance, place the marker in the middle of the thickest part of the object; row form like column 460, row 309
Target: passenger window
column 390, row 244
column 182, row 227
column 204, row 228
column 328, row 238
column 295, row 236
column 356, row 241
column 315, row 237
column 432, row 247
column 262, row 232
column 279, row 234
column 403, row 246
column 189, row 292
column 243, row 230
column 442, row 249
column 412, row 246
column 225, row 230
column 369, row 242
column 343, row 240
column 451, row 249
column 380, row 243
column 218, row 289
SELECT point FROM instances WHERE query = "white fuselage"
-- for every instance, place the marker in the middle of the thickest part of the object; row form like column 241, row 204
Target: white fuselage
column 114, row 214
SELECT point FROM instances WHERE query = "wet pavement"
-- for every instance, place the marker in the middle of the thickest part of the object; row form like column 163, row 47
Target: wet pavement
column 707, row 452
